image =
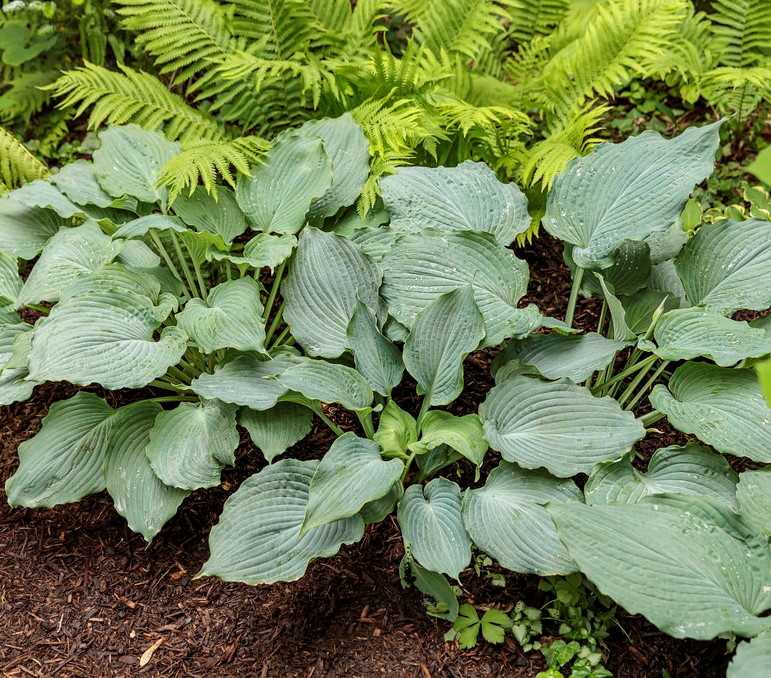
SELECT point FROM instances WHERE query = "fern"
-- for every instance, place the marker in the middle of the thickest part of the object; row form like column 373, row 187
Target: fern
column 737, row 90
column 17, row 164
column 282, row 28
column 203, row 161
column 623, row 36
column 744, row 30
column 24, row 98
column 133, row 97
column 531, row 18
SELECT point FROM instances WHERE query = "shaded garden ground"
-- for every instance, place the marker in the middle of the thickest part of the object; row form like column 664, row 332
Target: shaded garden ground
column 80, row 595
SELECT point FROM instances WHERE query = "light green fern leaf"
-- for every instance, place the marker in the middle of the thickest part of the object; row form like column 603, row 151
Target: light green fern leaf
column 17, row 164
column 743, row 28
column 530, row 18
column 23, row 98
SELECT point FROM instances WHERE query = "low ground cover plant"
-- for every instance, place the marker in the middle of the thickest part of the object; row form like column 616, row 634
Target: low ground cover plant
column 262, row 305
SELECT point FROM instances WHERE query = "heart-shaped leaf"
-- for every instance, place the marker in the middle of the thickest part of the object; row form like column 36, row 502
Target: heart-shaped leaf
column 24, row 231
column 218, row 214
column 328, row 382
column 277, row 429
column 462, row 434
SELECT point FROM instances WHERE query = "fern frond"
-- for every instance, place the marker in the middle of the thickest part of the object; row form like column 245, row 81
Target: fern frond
column 530, row 18
column 279, row 29
column 332, row 15
column 24, row 98
column 736, row 90
column 692, row 53
column 623, row 37
column 132, row 96
column 181, row 35
column 744, row 30
column 204, row 161
column 17, row 164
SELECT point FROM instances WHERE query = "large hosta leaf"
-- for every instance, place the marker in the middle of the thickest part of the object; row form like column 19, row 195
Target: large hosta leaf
column 754, row 495
column 14, row 382
column 78, row 182
column 627, row 191
column 102, row 332
column 348, row 148
column 139, row 495
column 468, row 197
column 628, row 273
column 557, row 425
column 129, row 161
column 640, row 308
column 687, row 333
column 349, row 475
column 420, row 268
column 191, row 444
column 432, row 526
column 724, row 408
column 377, row 359
column 277, row 196
column 687, row 564
column 264, row 249
column 727, row 266
column 508, row 520
column 231, row 317
column 442, row 335
column 10, row 282
column 70, row 254
column 752, row 658
column 328, row 274
column 555, row 355
column 246, row 380
column 329, row 383
column 257, row 539
column 24, row 231
column 63, row 462
column 218, row 214
column 694, row 470
column 277, row 429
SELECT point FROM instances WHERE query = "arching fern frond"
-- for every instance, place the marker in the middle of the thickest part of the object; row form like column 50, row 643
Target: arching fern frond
column 204, row 161
column 136, row 97
column 744, row 30
column 622, row 38
column 530, row 18
column 278, row 29
column 181, row 35
column 694, row 51
column 736, row 90
column 17, row 164
column 23, row 98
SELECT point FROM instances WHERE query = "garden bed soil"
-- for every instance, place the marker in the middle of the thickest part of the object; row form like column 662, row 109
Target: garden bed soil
column 82, row 596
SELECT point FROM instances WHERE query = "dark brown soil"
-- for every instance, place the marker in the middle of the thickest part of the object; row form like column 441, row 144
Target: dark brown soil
column 82, row 596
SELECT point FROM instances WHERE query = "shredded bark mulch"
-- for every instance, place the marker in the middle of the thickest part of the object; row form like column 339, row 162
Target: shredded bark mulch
column 82, row 596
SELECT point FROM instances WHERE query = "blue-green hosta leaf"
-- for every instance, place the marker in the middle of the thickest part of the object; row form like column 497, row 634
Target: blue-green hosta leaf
column 726, row 266
column 754, row 495
column 507, row 519
column 102, row 332
column 629, row 271
column 377, row 359
column 220, row 215
column 462, row 434
column 693, row 470
column 665, row 245
column 752, row 658
column 556, row 425
column 468, row 197
column 257, row 540
column 246, row 380
column 135, row 254
column 627, row 191
column 723, row 407
column 442, row 335
column 63, row 462
column 277, row 196
column 621, row 329
column 70, row 254
column 231, row 317
column 41, row 193
column 152, row 222
column 639, row 308
column 191, row 444
column 139, row 495
column 687, row 333
column 10, row 282
column 441, row 600
column 24, row 231
column 396, row 431
column 350, row 475
column 78, row 182
column 554, row 355
column 328, row 274
column 377, row 510
column 421, row 267
column 15, row 385
column 275, row 430
column 328, row 382
column 129, row 161
column 664, row 278
column 262, row 250
column 430, row 520
column 687, row 563
column 348, row 148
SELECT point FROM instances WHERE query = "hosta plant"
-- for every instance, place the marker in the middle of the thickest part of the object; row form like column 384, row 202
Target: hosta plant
column 181, row 297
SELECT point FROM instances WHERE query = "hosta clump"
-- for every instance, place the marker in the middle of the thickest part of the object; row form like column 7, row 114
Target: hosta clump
column 170, row 297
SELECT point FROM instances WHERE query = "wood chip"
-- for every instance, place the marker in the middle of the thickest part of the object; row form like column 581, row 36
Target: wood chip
column 147, row 655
